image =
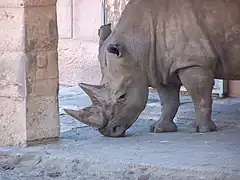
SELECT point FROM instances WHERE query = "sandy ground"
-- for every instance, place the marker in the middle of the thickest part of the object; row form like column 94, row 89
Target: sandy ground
column 83, row 154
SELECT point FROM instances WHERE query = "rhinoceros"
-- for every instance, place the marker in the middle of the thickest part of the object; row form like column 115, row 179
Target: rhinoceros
column 163, row 44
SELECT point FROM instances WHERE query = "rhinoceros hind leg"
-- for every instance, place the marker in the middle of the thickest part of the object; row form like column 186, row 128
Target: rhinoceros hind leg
column 199, row 83
column 203, row 128
column 169, row 97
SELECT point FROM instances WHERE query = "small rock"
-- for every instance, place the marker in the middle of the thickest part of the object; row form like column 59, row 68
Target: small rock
column 47, row 152
column 38, row 160
column 144, row 177
column 7, row 167
column 54, row 174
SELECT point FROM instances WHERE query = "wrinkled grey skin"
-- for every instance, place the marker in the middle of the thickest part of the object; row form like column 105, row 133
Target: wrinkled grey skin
column 163, row 44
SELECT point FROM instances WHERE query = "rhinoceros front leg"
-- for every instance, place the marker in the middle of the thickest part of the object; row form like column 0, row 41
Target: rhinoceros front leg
column 199, row 83
column 169, row 96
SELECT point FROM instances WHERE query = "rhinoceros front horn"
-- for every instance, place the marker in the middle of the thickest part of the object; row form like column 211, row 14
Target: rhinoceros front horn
column 91, row 116
column 97, row 93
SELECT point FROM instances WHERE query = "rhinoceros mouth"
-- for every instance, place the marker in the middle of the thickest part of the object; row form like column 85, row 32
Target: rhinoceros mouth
column 115, row 131
column 105, row 121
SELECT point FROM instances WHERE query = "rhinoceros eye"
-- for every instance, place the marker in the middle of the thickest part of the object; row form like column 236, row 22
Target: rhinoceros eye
column 122, row 97
column 115, row 49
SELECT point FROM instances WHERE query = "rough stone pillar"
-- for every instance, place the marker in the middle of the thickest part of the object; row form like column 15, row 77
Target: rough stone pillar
column 28, row 72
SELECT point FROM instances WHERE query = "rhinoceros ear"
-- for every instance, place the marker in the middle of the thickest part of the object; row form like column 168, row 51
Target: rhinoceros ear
column 103, row 33
column 115, row 49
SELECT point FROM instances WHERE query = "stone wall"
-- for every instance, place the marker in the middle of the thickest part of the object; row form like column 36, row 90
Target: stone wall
column 78, row 24
column 114, row 9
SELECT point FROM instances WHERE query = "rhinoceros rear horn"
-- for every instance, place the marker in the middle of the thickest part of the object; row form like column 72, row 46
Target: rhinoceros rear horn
column 97, row 93
column 91, row 116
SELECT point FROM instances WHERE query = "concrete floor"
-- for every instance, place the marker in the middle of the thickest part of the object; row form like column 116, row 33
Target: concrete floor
column 82, row 153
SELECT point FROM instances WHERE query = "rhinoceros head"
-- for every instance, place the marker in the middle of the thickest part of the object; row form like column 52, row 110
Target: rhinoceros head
column 122, row 93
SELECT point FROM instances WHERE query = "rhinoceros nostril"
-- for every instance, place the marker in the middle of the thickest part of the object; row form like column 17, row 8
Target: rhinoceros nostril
column 114, row 130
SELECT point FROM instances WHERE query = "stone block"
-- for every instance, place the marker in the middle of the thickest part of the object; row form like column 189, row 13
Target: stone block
column 13, row 121
column 87, row 18
column 12, row 74
column 42, row 65
column 25, row 3
column 64, row 17
column 47, row 65
column 11, row 3
column 42, row 73
column 42, row 118
column 39, row 2
column 12, row 29
column 39, row 38
column 46, row 87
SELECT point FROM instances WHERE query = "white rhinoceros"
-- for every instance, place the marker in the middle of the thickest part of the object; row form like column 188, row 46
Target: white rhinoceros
column 163, row 44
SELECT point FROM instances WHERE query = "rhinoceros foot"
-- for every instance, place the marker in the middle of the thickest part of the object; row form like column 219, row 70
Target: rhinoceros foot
column 203, row 127
column 163, row 126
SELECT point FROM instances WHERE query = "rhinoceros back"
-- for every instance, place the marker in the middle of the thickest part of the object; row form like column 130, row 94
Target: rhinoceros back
column 221, row 23
column 167, row 35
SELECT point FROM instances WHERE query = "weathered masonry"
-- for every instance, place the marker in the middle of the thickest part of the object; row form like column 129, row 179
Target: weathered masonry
column 28, row 71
